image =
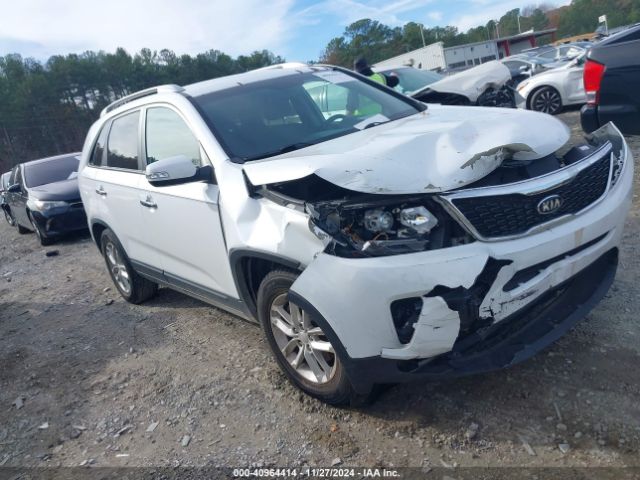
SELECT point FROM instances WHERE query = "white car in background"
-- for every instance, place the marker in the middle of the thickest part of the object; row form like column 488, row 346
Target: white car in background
column 550, row 91
column 485, row 85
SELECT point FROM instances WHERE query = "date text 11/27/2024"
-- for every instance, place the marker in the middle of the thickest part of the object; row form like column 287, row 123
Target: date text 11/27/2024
column 309, row 472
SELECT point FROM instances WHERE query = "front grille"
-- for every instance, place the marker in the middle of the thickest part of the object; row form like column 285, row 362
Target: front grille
column 515, row 213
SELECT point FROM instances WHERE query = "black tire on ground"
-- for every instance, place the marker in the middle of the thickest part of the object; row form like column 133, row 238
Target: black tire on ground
column 118, row 265
column 22, row 230
column 8, row 217
column 546, row 100
column 44, row 240
column 337, row 390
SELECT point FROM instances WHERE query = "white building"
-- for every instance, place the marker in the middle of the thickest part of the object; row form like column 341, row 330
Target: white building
column 430, row 57
column 460, row 57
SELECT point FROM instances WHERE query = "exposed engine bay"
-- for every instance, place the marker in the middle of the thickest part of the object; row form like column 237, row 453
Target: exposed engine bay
column 370, row 225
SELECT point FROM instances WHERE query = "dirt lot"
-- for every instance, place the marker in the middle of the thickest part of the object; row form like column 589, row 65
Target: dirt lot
column 85, row 377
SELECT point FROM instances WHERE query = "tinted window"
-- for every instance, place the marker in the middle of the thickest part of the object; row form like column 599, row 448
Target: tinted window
column 97, row 156
column 51, row 171
column 122, row 149
column 266, row 118
column 168, row 136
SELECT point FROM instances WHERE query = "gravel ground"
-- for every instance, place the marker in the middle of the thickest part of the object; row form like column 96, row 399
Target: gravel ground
column 88, row 379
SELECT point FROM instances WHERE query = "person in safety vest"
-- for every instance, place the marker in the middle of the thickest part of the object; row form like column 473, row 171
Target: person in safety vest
column 361, row 106
column 362, row 67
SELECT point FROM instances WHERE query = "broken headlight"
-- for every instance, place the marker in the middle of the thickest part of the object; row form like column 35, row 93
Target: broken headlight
column 384, row 227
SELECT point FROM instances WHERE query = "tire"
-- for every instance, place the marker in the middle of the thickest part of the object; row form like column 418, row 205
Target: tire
column 44, row 240
column 546, row 100
column 133, row 288
column 316, row 371
column 8, row 217
column 21, row 230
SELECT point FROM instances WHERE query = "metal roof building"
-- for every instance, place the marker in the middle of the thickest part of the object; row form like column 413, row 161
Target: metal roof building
column 460, row 57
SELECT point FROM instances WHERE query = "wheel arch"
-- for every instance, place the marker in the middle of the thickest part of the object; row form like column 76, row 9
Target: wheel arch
column 97, row 227
column 249, row 267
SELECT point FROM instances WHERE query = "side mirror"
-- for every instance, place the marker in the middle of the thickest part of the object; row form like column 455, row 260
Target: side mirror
column 524, row 68
column 175, row 171
column 15, row 188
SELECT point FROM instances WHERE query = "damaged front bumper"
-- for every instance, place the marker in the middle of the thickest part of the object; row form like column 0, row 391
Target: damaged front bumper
column 484, row 305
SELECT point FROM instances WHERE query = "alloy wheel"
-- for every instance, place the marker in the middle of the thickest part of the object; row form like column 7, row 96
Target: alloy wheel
column 36, row 229
column 547, row 101
column 117, row 268
column 302, row 343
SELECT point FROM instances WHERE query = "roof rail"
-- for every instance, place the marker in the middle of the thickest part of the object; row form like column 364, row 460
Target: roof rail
column 142, row 93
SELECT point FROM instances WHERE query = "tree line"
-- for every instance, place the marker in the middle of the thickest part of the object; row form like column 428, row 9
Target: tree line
column 47, row 108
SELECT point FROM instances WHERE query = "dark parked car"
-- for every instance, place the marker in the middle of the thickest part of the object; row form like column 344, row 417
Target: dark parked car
column 612, row 83
column 4, row 184
column 43, row 197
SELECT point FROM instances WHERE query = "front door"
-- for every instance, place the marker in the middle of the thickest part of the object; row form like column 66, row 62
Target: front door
column 183, row 221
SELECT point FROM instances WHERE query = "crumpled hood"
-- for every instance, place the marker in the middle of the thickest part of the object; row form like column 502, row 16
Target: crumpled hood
column 66, row 190
column 439, row 149
column 473, row 82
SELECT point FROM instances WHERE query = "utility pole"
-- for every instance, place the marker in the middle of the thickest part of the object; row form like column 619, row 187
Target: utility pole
column 519, row 29
column 424, row 44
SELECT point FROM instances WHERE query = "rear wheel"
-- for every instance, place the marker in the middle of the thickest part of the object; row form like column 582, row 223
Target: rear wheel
column 44, row 240
column 546, row 100
column 299, row 344
column 132, row 287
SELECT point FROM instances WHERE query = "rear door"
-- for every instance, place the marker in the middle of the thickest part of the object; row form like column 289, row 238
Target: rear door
column 113, row 182
column 183, row 221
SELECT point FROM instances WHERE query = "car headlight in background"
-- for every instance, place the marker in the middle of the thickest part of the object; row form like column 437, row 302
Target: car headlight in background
column 44, row 205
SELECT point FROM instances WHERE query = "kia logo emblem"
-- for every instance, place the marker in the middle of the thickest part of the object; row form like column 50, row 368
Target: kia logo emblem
column 549, row 204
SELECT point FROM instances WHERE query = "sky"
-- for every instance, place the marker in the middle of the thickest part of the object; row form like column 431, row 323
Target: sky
column 295, row 29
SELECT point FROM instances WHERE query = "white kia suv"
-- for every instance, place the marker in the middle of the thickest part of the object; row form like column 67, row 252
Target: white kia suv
column 376, row 239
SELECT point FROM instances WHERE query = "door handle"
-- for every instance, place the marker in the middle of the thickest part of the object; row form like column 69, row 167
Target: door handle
column 100, row 191
column 148, row 202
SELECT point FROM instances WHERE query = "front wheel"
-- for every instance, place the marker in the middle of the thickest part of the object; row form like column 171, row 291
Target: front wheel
column 44, row 240
column 132, row 287
column 546, row 100
column 8, row 217
column 299, row 344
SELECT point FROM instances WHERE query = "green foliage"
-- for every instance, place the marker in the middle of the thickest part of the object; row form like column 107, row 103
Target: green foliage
column 582, row 15
column 47, row 108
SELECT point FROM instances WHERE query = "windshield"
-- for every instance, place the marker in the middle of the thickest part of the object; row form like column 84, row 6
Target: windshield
column 51, row 171
column 279, row 115
column 412, row 80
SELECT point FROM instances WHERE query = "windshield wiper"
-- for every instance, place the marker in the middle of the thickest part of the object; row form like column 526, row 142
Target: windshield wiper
column 374, row 124
column 286, row 149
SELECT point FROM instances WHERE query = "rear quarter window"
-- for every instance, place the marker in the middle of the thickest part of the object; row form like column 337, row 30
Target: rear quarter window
column 97, row 155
